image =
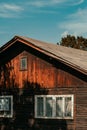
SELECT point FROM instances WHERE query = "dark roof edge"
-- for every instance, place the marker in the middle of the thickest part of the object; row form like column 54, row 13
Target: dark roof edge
column 2, row 48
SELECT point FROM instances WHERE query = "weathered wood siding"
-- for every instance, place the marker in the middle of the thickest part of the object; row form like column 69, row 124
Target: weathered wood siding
column 41, row 72
column 81, row 108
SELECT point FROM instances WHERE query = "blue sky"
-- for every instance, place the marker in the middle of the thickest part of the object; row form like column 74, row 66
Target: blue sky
column 46, row 20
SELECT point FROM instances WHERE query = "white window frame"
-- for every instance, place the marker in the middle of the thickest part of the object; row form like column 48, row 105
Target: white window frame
column 54, row 106
column 3, row 113
column 21, row 63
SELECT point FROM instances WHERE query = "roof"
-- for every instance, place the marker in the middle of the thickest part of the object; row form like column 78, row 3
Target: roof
column 74, row 58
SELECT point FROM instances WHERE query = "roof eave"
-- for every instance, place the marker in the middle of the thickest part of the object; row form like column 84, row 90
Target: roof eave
column 64, row 61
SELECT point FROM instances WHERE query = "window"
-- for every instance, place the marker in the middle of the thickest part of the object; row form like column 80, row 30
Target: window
column 23, row 63
column 54, row 106
column 6, row 106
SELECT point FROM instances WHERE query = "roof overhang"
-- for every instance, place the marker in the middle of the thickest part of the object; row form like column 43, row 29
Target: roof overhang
column 31, row 43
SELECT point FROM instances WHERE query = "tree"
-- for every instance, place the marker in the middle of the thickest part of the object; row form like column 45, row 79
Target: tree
column 74, row 42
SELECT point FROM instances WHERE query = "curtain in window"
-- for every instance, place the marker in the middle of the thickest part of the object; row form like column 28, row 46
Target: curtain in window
column 49, row 106
column 68, row 106
column 59, row 106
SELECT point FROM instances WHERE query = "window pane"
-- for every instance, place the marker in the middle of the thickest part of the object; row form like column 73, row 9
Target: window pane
column 4, row 104
column 59, row 106
column 49, row 106
column 68, row 106
column 24, row 63
column 40, row 111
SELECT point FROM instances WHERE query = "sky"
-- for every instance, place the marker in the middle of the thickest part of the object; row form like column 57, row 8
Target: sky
column 46, row 20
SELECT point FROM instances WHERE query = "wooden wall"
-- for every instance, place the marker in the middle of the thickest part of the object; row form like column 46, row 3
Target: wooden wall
column 39, row 71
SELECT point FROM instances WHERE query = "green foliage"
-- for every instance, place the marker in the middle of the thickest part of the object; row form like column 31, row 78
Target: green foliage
column 74, row 42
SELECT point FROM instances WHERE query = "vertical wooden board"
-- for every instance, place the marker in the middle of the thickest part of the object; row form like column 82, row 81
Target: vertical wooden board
column 81, row 111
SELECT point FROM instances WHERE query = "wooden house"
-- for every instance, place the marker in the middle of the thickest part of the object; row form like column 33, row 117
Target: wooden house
column 42, row 86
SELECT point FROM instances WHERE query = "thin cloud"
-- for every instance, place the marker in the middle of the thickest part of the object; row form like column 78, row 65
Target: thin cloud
column 12, row 7
column 80, row 15
column 64, row 34
column 78, row 2
column 9, row 10
column 76, row 23
column 44, row 3
column 73, row 2
column 40, row 6
column 76, row 29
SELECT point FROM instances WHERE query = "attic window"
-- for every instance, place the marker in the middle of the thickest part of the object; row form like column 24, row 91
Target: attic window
column 6, row 106
column 23, row 63
column 54, row 106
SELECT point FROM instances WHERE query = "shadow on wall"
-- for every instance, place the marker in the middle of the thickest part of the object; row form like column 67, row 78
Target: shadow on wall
column 23, row 117
column 23, row 105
